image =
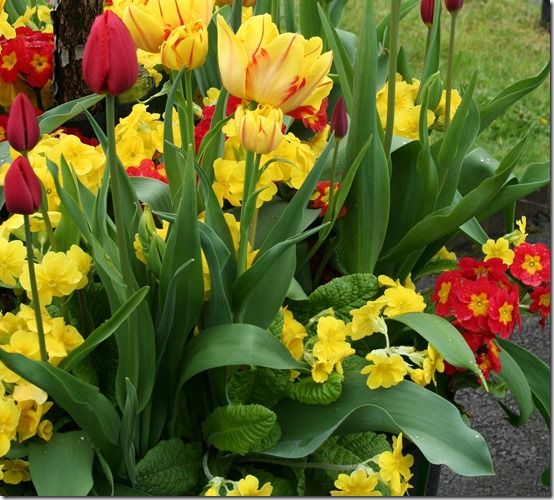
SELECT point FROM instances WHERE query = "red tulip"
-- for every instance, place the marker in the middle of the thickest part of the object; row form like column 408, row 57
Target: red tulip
column 110, row 56
column 339, row 120
column 427, row 10
column 22, row 188
column 453, row 6
column 22, row 130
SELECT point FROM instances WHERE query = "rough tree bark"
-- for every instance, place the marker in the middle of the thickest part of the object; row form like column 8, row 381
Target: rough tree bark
column 72, row 20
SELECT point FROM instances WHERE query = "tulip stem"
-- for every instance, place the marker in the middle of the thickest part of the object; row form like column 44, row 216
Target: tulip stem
column 331, row 205
column 34, row 288
column 393, row 51
column 248, row 208
column 449, row 71
column 190, row 109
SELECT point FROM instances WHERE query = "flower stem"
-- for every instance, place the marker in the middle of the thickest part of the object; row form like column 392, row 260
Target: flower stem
column 190, row 109
column 393, row 51
column 331, row 205
column 205, row 468
column 34, row 289
column 448, row 104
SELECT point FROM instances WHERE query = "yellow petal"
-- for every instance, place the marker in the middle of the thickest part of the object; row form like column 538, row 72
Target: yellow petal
column 256, row 33
column 232, row 58
column 146, row 30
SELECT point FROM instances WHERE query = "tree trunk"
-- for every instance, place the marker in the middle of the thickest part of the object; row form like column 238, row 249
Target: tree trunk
column 72, row 20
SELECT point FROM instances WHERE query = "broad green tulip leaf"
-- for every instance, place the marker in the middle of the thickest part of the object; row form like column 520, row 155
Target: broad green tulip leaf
column 365, row 224
column 508, row 96
column 475, row 231
column 53, row 118
column 340, row 58
column 290, row 16
column 207, row 75
column 122, row 490
column 153, row 192
column 431, row 422
column 15, row 9
column 238, row 428
column 89, row 408
column 295, row 291
column 536, row 372
column 447, row 220
column 104, row 331
column 242, row 344
column 63, row 466
column 477, row 166
column 129, row 421
column 310, row 23
column 514, row 378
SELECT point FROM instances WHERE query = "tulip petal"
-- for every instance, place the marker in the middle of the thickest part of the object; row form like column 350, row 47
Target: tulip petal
column 232, row 59
column 146, row 30
column 122, row 56
column 255, row 33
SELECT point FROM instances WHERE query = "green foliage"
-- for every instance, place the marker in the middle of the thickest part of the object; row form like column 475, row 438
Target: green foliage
column 238, row 428
column 312, row 393
column 171, row 468
column 63, row 466
column 258, row 385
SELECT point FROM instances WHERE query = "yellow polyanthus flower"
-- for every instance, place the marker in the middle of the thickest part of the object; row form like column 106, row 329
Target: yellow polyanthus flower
column 520, row 235
column 30, row 417
column 445, row 254
column 432, row 363
column 15, row 471
column 151, row 24
column 293, row 334
column 367, row 319
column 331, row 346
column 57, row 276
column 83, row 261
column 9, row 418
column 12, row 260
column 6, row 28
column 499, row 249
column 360, row 483
column 282, row 70
column 45, row 430
column 259, row 130
column 394, row 466
column 186, row 46
column 249, row 487
column 385, row 371
column 400, row 299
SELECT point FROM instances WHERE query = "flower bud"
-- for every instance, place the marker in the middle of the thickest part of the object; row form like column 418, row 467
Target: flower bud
column 339, row 119
column 245, row 3
column 427, row 10
column 453, row 6
column 22, row 130
column 186, row 47
column 110, row 57
column 259, row 130
column 22, row 188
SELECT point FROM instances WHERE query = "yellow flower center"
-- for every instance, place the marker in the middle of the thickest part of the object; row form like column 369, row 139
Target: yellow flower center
column 9, row 61
column 544, row 300
column 505, row 313
column 479, row 304
column 444, row 291
column 40, row 63
column 532, row 264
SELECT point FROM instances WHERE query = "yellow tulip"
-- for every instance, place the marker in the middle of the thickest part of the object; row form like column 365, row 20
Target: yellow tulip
column 282, row 70
column 186, row 47
column 151, row 24
column 259, row 130
column 245, row 3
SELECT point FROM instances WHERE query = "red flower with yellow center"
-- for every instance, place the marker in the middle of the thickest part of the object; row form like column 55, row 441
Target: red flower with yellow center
column 531, row 264
column 472, row 307
column 40, row 68
column 321, row 199
column 474, row 269
column 9, row 68
column 444, row 296
column 148, row 168
column 541, row 302
column 504, row 312
column 488, row 359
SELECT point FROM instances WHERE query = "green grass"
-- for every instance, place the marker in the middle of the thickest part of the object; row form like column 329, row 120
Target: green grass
column 503, row 40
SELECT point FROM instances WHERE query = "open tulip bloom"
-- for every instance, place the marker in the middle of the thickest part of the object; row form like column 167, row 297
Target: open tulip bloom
column 219, row 294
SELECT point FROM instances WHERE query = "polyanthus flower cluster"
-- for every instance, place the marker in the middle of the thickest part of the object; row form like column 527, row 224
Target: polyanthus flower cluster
column 482, row 298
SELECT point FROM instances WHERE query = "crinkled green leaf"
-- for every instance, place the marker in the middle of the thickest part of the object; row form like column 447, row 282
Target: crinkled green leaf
column 312, row 393
column 258, row 385
column 238, row 428
column 269, row 441
column 63, row 466
column 171, row 468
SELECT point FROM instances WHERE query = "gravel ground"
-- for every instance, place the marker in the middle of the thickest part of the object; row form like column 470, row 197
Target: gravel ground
column 519, row 455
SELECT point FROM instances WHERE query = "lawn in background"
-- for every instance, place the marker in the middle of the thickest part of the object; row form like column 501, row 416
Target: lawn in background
column 504, row 41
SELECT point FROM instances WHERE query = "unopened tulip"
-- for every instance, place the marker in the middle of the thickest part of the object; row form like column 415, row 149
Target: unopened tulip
column 245, row 3
column 22, row 188
column 186, row 47
column 453, row 6
column 110, row 62
column 259, row 130
column 339, row 120
column 427, row 10
column 22, row 130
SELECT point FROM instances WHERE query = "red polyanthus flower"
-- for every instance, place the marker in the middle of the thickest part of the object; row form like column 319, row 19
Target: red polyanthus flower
column 12, row 59
column 531, row 264
column 443, row 295
column 110, row 56
column 3, row 126
column 488, row 359
column 148, row 168
column 472, row 306
column 205, row 122
column 504, row 312
column 474, row 269
column 22, row 189
column 541, row 302
column 322, row 198
column 22, row 129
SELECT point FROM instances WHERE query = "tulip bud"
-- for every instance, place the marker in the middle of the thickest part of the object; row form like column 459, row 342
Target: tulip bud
column 427, row 10
column 22, row 130
column 186, row 47
column 259, row 130
column 245, row 3
column 339, row 119
column 453, row 6
column 110, row 57
column 22, row 188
